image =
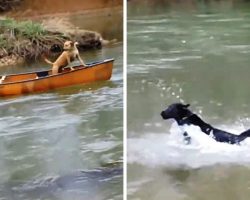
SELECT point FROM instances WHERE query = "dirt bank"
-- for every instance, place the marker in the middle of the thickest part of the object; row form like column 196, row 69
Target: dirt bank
column 29, row 8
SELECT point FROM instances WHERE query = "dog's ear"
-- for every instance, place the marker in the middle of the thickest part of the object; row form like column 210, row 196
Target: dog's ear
column 71, row 43
column 186, row 106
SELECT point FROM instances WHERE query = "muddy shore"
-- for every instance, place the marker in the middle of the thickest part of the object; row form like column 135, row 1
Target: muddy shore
column 31, row 8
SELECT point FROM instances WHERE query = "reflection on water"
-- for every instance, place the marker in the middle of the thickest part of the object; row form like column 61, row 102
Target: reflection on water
column 51, row 136
column 198, row 55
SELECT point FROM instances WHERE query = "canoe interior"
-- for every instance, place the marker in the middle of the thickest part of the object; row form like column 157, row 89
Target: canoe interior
column 13, row 78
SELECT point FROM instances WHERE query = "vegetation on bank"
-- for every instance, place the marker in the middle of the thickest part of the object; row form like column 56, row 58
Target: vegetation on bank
column 28, row 40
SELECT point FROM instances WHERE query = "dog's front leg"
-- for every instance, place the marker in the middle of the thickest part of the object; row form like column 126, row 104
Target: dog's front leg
column 80, row 59
column 187, row 138
column 68, row 60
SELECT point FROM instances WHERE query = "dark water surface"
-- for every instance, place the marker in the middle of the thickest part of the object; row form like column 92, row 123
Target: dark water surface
column 198, row 54
column 57, row 145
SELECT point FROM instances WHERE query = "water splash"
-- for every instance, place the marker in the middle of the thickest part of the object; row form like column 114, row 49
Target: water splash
column 170, row 150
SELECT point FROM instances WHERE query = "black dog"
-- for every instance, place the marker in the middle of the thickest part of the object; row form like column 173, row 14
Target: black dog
column 183, row 115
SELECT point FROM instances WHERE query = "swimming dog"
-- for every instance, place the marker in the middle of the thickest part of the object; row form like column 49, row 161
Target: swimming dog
column 182, row 115
column 69, row 54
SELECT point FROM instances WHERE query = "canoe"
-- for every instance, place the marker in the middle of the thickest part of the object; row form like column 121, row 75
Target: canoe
column 25, row 83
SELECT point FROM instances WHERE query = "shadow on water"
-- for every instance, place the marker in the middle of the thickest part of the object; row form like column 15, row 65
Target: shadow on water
column 92, row 87
column 92, row 184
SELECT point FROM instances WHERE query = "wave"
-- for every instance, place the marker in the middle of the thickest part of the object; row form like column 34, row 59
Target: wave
column 170, row 150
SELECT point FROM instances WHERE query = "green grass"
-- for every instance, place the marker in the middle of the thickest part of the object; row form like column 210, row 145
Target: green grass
column 27, row 39
column 15, row 28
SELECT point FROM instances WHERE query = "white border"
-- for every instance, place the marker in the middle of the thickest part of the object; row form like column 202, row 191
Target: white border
column 124, row 99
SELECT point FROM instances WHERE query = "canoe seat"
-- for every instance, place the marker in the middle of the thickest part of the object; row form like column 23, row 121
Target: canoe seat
column 42, row 74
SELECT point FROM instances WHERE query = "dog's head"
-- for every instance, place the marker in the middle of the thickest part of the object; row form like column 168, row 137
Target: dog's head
column 176, row 111
column 68, row 45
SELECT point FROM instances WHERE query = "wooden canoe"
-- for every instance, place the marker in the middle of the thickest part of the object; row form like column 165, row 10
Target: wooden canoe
column 25, row 83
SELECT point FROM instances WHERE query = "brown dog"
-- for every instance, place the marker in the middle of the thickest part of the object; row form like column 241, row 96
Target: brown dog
column 69, row 54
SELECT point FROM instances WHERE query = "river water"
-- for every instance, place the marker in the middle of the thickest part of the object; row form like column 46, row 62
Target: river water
column 197, row 54
column 62, row 144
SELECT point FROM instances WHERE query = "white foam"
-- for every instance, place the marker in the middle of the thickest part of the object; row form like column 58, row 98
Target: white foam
column 155, row 150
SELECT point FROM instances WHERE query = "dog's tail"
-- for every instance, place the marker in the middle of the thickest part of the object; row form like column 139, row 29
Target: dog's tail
column 46, row 60
column 244, row 135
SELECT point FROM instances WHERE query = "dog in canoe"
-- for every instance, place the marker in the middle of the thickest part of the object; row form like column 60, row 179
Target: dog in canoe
column 182, row 115
column 69, row 54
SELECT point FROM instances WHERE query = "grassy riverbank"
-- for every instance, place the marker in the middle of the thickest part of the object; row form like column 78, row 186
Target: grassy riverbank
column 27, row 40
